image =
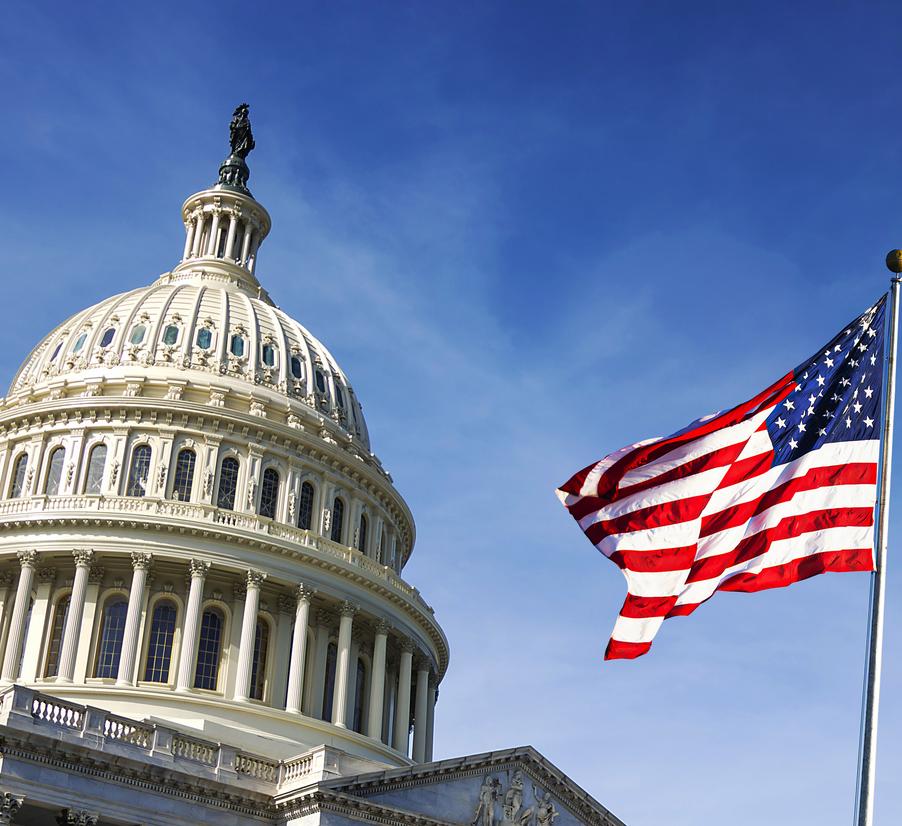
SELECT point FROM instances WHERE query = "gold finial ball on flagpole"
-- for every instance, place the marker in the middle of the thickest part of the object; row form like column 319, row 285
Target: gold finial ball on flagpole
column 894, row 261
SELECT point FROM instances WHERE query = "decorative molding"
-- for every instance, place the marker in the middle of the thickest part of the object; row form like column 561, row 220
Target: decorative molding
column 96, row 574
column 142, row 561
column 27, row 559
column 348, row 609
column 83, row 557
column 71, row 817
column 255, row 578
column 9, row 807
column 198, row 568
column 303, row 593
column 46, row 575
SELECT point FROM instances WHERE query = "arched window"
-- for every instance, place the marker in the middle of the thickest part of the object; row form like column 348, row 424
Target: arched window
column 204, row 338
column 269, row 493
column 159, row 644
column 184, row 475
column 55, row 638
column 139, row 471
column 228, row 483
column 382, row 545
column 96, row 466
column 107, row 338
column 170, row 335
column 258, row 669
column 359, row 696
column 112, row 628
column 17, row 486
column 338, row 518
column 208, row 648
column 55, row 472
column 329, row 682
column 361, row 533
column 305, row 507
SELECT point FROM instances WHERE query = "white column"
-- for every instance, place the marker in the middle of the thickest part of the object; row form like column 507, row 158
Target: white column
column 298, row 650
column 282, row 652
column 140, row 567
column 27, row 561
column 185, row 679
column 189, row 239
column 252, row 253
column 323, row 621
column 83, row 646
column 34, row 630
column 198, row 234
column 246, row 246
column 421, row 714
column 214, row 229
column 230, row 238
column 72, row 631
column 430, row 719
column 377, row 682
column 402, row 709
column 343, row 665
column 6, row 580
column 248, row 633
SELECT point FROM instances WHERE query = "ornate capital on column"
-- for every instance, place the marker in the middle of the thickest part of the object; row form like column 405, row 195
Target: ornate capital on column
column 27, row 559
column 46, row 575
column 348, row 609
column 83, row 557
column 6, row 579
column 9, row 807
column 239, row 590
column 407, row 645
column 198, row 568
column 255, row 578
column 142, row 561
column 285, row 603
column 95, row 574
column 70, row 817
column 383, row 627
column 304, row 593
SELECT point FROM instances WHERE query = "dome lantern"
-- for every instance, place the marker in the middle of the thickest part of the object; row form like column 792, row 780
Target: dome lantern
column 225, row 225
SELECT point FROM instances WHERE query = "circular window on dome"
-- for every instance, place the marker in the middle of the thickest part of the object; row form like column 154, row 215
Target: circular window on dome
column 170, row 335
column 236, row 346
column 107, row 338
column 79, row 343
column 297, row 369
column 269, row 355
column 137, row 335
column 204, row 338
column 320, row 382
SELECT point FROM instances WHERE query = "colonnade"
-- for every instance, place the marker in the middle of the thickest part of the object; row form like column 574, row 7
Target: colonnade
column 387, row 711
column 206, row 235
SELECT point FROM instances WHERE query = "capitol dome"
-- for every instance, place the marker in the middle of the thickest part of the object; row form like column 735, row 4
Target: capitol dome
column 194, row 531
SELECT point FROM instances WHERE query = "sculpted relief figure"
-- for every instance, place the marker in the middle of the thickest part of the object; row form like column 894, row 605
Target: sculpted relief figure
column 488, row 794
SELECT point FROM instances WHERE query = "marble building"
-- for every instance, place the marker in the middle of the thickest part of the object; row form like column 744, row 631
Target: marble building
column 203, row 617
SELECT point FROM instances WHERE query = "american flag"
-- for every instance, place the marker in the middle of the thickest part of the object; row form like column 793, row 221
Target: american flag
column 773, row 491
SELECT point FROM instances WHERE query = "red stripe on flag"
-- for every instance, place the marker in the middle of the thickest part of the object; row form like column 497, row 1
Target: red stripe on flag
column 853, row 559
column 654, row 516
column 645, row 607
column 618, row 650
column 660, row 559
column 791, row 526
column 746, row 469
column 856, row 473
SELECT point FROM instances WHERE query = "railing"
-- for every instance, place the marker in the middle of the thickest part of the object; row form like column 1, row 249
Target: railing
column 127, row 731
column 208, row 513
column 256, row 767
column 299, row 767
column 197, row 750
column 52, row 710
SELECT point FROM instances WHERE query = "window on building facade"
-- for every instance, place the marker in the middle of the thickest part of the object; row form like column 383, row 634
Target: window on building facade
column 159, row 644
column 269, row 355
column 359, row 688
column 139, row 471
column 269, row 493
column 96, row 466
column 361, row 533
column 228, row 484
column 55, row 638
column 305, row 507
column 339, row 396
column 258, row 669
column 208, row 648
column 56, row 350
column 320, row 382
column 329, row 683
column 17, row 485
column 338, row 517
column 112, row 630
column 184, row 475
column 170, row 335
column 107, row 338
column 137, row 335
column 79, row 343
column 204, row 338
column 236, row 346
column 297, row 368
column 382, row 545
column 55, row 472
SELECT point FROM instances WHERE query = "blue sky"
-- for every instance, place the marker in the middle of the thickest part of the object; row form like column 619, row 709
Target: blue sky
column 531, row 233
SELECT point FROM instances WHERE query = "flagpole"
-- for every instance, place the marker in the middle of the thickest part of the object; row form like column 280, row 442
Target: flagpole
column 867, row 767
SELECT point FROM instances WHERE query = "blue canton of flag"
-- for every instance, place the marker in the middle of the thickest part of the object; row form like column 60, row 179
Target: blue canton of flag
column 837, row 393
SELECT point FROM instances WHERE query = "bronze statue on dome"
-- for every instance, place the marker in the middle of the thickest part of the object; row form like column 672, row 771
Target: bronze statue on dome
column 240, row 136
